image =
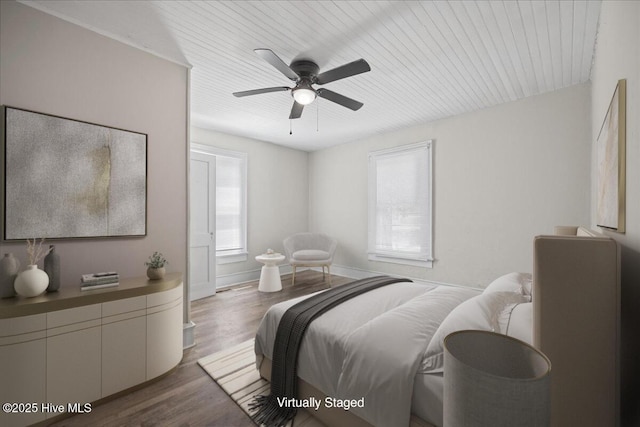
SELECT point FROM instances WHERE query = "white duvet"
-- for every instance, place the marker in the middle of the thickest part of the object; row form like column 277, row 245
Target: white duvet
column 370, row 346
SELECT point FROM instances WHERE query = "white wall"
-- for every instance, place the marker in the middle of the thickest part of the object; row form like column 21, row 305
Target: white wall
column 51, row 66
column 278, row 196
column 502, row 175
column 617, row 56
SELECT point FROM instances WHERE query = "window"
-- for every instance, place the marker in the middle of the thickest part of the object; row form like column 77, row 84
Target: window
column 231, row 218
column 400, row 205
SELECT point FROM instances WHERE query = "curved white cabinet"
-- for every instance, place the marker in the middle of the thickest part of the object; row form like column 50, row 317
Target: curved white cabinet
column 78, row 348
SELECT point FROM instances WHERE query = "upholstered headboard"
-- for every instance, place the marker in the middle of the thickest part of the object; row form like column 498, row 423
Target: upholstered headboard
column 576, row 312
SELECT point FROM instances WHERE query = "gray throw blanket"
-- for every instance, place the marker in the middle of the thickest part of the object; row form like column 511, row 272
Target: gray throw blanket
column 291, row 329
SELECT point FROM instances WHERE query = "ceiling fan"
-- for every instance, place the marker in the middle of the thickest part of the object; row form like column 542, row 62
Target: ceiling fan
column 305, row 73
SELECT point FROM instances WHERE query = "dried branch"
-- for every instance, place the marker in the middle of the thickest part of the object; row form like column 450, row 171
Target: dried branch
column 36, row 253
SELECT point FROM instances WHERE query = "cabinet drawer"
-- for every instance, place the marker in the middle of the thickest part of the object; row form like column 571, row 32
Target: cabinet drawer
column 124, row 306
column 165, row 297
column 22, row 325
column 73, row 315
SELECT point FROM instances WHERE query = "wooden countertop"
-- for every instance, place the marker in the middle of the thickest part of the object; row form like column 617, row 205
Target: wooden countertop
column 70, row 297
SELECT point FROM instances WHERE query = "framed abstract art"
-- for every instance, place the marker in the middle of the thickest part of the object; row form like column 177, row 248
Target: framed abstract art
column 65, row 178
column 611, row 164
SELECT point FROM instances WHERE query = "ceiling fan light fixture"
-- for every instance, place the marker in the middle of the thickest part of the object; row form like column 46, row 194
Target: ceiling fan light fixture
column 304, row 95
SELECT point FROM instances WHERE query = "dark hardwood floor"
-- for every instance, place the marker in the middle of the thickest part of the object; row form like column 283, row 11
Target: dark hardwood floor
column 188, row 396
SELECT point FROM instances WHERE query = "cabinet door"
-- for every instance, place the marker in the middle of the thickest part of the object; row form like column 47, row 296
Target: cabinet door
column 73, row 355
column 73, row 367
column 124, row 344
column 23, row 353
column 22, row 380
column 164, row 339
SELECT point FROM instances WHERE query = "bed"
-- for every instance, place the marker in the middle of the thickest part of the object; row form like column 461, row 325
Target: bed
column 381, row 346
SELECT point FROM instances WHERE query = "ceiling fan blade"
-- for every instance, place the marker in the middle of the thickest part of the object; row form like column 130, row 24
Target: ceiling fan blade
column 346, row 70
column 296, row 110
column 259, row 91
column 279, row 64
column 339, row 99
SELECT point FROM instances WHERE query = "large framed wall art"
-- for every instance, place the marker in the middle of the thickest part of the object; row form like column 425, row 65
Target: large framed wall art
column 65, row 178
column 611, row 164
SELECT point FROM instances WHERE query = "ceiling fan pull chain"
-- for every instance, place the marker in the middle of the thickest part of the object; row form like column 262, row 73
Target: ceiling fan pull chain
column 290, row 130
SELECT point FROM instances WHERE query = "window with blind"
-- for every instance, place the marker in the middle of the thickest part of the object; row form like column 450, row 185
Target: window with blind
column 400, row 205
column 231, row 206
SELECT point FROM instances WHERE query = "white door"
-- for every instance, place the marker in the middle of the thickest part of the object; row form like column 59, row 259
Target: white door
column 202, row 253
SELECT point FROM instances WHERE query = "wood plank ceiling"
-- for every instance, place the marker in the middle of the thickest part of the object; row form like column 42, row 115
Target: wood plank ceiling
column 429, row 59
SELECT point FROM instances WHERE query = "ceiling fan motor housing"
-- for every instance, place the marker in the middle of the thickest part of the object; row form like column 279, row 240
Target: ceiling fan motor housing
column 305, row 68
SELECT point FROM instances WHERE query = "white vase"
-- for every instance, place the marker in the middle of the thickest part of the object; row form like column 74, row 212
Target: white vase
column 31, row 282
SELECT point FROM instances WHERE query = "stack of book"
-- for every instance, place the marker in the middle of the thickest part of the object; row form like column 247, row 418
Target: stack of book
column 99, row 280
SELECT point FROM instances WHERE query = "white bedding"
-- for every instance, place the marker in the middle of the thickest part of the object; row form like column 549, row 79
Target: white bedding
column 427, row 402
column 372, row 346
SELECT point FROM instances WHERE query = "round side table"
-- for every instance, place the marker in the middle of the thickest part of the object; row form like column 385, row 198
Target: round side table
column 270, row 274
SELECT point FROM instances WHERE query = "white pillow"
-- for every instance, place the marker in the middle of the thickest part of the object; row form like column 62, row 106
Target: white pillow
column 521, row 323
column 512, row 282
column 486, row 312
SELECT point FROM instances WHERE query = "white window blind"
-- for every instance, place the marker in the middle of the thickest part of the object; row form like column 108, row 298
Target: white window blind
column 230, row 183
column 400, row 205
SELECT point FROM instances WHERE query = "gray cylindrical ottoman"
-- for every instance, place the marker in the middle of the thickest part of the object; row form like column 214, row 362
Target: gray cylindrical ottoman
column 494, row 380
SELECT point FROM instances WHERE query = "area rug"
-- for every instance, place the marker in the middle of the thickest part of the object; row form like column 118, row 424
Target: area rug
column 234, row 370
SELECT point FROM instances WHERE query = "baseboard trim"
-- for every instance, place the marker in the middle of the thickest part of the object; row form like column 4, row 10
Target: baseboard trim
column 236, row 278
column 357, row 273
column 339, row 270
column 233, row 279
column 188, row 335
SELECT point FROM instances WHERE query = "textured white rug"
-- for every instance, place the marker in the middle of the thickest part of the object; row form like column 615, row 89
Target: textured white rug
column 234, row 370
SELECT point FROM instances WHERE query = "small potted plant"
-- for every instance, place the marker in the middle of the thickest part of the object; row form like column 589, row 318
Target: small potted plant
column 155, row 266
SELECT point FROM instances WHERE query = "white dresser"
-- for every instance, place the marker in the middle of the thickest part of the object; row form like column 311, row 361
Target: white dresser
column 75, row 347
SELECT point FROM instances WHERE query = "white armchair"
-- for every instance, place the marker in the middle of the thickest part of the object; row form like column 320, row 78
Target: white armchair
column 310, row 250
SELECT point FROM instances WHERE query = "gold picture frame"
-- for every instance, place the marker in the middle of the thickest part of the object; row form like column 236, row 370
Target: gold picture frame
column 611, row 163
